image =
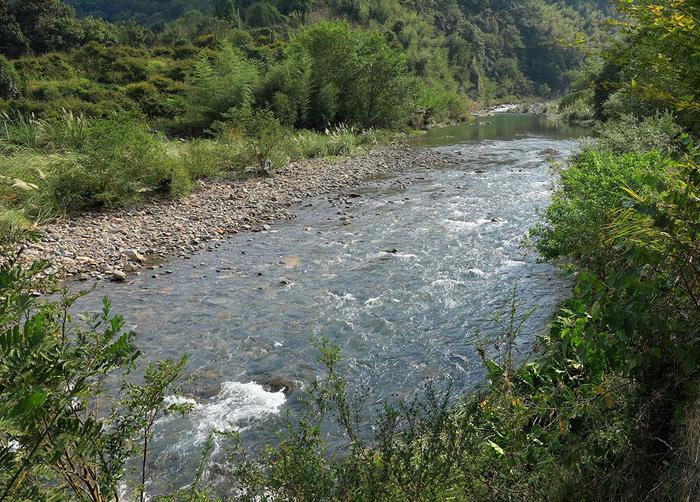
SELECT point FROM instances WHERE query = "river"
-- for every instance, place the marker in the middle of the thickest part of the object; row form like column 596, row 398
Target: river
column 431, row 256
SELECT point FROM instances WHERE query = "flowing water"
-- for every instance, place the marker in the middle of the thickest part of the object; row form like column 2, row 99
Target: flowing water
column 431, row 257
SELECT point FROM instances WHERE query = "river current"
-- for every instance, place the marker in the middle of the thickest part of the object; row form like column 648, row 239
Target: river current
column 432, row 256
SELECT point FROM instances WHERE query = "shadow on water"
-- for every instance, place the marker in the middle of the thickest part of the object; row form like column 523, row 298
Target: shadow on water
column 502, row 126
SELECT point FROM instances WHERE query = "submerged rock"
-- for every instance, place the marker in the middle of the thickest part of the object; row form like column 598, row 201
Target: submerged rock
column 279, row 383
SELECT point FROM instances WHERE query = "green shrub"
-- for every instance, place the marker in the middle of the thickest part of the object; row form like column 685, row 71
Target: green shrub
column 579, row 218
column 54, row 90
column 139, row 90
column 264, row 139
column 225, row 83
column 51, row 66
column 10, row 81
column 57, row 443
column 119, row 160
column 114, row 65
column 630, row 134
column 167, row 85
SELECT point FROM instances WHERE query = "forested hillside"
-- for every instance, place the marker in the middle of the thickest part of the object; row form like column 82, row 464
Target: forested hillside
column 235, row 77
column 485, row 49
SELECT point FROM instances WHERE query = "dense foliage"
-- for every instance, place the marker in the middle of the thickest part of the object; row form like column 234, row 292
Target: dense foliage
column 237, row 79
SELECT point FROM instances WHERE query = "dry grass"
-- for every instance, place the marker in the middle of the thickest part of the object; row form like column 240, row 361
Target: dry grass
column 689, row 471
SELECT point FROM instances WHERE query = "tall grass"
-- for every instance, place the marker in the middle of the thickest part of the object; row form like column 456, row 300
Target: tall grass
column 338, row 141
column 71, row 162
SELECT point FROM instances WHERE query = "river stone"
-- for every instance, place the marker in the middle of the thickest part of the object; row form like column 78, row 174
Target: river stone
column 134, row 255
column 279, row 383
column 118, row 276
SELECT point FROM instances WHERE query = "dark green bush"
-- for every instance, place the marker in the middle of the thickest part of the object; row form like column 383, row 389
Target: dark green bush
column 10, row 82
column 579, row 218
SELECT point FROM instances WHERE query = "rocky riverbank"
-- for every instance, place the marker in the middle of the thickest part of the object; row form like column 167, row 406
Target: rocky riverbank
column 115, row 244
column 534, row 108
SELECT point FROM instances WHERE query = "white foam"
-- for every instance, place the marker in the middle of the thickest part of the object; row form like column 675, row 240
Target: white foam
column 467, row 225
column 446, row 284
column 475, row 272
column 374, row 302
column 347, row 297
column 503, row 108
column 233, row 408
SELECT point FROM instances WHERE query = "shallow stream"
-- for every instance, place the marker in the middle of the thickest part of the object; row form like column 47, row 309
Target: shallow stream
column 431, row 257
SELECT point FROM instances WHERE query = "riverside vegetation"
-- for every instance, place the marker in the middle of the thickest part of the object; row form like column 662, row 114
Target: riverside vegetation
column 246, row 84
column 608, row 409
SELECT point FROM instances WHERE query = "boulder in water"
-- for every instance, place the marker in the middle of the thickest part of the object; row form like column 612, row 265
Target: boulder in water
column 279, row 383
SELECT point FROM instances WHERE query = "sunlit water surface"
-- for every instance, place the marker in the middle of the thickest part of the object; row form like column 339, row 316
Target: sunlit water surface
column 431, row 257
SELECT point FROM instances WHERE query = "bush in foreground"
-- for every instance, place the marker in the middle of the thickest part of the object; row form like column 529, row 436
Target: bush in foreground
column 65, row 431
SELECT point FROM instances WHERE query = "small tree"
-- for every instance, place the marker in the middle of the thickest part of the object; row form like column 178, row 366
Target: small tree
column 62, row 434
column 263, row 133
